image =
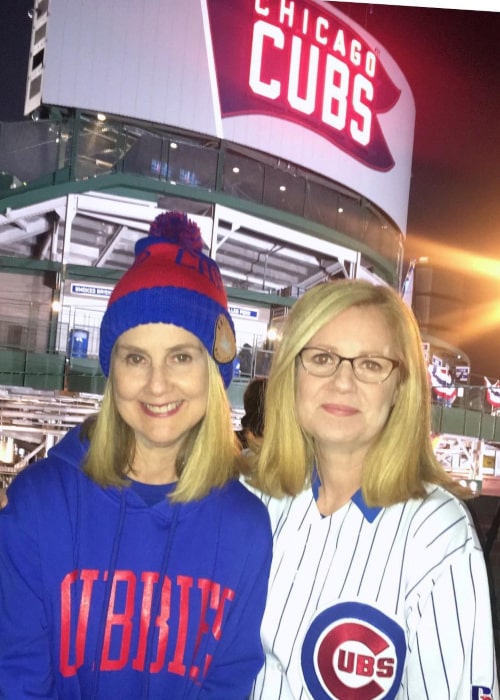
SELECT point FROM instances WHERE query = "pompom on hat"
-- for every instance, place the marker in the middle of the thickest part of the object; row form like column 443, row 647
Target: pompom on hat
column 172, row 281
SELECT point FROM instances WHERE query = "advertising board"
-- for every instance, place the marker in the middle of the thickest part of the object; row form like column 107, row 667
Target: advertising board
column 296, row 79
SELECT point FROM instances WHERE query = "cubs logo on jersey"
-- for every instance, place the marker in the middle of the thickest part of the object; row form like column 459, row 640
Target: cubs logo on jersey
column 353, row 651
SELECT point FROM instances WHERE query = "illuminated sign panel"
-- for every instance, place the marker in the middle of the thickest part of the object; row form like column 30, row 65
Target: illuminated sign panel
column 296, row 79
column 243, row 312
column 293, row 61
column 91, row 290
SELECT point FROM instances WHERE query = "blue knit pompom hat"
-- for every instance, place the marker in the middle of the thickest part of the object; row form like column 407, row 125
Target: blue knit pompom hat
column 172, row 281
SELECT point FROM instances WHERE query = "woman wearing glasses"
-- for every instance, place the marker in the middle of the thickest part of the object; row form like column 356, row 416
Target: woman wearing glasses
column 378, row 586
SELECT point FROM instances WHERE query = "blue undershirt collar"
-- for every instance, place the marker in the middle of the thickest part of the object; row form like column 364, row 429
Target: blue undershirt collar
column 151, row 494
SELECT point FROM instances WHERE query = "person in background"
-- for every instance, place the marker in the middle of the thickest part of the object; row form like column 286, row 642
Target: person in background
column 245, row 358
column 252, row 421
column 133, row 562
column 378, row 585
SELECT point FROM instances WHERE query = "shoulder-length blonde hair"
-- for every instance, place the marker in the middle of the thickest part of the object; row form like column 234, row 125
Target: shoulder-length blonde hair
column 402, row 460
column 207, row 459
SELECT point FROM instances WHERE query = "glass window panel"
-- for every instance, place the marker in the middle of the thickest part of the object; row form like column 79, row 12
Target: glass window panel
column 147, row 157
column 285, row 191
column 192, row 165
column 243, row 177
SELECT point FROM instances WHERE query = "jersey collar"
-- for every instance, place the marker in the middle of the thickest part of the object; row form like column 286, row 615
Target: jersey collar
column 369, row 513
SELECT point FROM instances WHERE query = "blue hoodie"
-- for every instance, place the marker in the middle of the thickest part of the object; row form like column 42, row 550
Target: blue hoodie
column 104, row 597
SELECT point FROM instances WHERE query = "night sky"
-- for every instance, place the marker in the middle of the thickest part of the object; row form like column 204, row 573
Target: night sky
column 452, row 63
column 14, row 49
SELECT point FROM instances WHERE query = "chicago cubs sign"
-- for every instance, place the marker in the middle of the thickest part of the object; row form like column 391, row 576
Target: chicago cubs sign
column 297, row 80
column 297, row 62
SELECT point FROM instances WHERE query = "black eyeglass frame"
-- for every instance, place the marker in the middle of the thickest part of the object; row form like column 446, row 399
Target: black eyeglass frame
column 351, row 360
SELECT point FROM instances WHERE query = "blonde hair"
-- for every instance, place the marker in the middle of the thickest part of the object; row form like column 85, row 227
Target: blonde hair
column 402, row 461
column 206, row 460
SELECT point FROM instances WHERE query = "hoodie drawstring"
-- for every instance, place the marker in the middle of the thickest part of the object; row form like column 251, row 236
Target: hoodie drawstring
column 107, row 595
column 157, row 601
column 201, row 652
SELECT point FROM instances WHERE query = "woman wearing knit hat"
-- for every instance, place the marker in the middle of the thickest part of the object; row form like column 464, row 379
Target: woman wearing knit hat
column 133, row 564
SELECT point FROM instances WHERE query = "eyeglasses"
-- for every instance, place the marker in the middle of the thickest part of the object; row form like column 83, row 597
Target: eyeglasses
column 371, row 369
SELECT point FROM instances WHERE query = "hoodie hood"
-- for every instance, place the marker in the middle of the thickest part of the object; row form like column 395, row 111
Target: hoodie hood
column 71, row 451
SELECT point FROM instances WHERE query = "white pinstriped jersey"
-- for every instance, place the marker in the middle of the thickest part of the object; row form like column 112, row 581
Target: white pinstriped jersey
column 377, row 603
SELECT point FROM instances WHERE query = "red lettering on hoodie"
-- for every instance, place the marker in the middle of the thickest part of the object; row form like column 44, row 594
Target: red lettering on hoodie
column 210, row 591
column 119, row 623
column 200, row 595
column 88, row 576
column 149, row 579
column 177, row 664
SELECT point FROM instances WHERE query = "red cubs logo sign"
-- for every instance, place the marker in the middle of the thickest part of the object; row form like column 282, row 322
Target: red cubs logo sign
column 353, row 652
column 299, row 61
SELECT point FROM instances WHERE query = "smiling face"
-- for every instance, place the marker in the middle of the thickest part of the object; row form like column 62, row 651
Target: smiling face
column 160, row 384
column 342, row 414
